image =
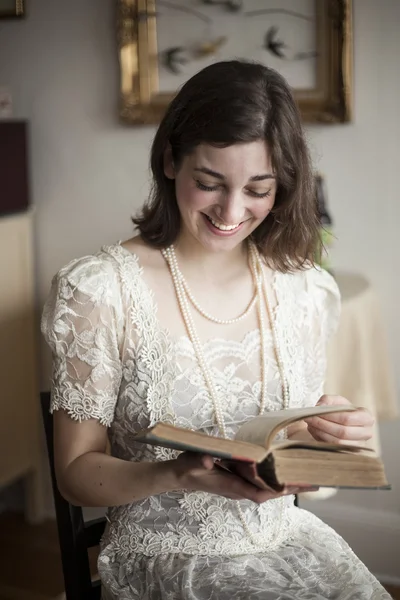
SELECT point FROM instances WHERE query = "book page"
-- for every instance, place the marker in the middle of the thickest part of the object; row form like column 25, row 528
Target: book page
column 169, row 436
column 262, row 430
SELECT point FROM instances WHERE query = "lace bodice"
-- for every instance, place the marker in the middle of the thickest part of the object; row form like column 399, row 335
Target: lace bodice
column 115, row 362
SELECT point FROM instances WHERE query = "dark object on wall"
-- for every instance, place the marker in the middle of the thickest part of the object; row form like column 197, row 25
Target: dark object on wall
column 174, row 58
column 14, row 179
column 232, row 5
column 324, row 215
column 326, row 229
column 12, row 9
column 273, row 44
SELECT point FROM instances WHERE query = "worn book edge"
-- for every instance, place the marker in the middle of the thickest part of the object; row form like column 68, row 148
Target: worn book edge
column 178, row 438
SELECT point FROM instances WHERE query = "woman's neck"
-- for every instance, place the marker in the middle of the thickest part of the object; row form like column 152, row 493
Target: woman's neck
column 195, row 260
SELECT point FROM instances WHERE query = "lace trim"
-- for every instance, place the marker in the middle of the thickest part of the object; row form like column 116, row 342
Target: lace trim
column 155, row 354
column 216, row 348
column 80, row 404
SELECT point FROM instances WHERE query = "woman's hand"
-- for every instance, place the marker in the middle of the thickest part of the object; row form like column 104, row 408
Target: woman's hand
column 353, row 428
column 198, row 472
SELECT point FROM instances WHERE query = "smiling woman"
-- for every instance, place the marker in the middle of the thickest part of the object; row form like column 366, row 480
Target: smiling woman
column 197, row 147
column 212, row 315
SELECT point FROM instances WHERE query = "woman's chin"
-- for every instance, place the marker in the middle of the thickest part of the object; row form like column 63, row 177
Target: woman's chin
column 220, row 244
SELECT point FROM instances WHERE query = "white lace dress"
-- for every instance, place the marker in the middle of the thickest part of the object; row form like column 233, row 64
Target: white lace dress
column 115, row 362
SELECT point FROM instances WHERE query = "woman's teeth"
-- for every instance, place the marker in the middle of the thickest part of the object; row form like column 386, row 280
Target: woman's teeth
column 221, row 226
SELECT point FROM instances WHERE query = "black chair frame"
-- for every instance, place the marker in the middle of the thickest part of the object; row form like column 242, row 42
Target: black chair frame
column 75, row 535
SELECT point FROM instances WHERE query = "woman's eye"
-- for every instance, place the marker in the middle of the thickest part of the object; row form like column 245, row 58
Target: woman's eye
column 260, row 194
column 206, row 188
column 214, row 188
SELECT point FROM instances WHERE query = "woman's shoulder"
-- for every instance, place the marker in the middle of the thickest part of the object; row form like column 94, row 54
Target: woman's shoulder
column 144, row 255
column 314, row 291
column 107, row 272
column 96, row 276
column 318, row 279
column 314, row 280
column 101, row 265
column 89, row 271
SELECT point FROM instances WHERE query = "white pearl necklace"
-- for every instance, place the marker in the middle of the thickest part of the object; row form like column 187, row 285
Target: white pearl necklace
column 196, row 305
column 261, row 294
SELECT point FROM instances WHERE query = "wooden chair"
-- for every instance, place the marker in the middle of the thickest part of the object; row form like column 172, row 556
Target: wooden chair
column 75, row 536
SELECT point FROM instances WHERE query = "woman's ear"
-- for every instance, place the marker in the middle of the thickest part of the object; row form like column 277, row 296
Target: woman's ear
column 169, row 167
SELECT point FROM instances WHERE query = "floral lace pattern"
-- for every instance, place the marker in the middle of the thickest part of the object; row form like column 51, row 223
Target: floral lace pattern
column 114, row 361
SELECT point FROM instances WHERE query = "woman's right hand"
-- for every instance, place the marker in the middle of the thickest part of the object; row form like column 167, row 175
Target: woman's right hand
column 197, row 472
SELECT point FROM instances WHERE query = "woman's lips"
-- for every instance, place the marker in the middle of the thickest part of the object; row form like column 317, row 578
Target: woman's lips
column 220, row 232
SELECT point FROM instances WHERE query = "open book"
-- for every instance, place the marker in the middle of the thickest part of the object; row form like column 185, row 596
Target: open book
column 254, row 455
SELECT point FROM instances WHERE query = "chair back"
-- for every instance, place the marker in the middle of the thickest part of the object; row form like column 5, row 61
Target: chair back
column 75, row 535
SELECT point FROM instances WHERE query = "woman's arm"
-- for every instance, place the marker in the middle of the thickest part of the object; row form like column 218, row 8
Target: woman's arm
column 87, row 476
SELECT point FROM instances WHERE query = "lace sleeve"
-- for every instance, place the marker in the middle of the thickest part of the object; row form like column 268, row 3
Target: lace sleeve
column 323, row 312
column 82, row 323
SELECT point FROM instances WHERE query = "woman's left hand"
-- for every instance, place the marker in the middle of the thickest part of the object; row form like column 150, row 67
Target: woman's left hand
column 353, row 427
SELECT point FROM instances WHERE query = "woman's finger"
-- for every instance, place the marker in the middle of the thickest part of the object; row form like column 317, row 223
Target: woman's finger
column 343, row 432
column 322, row 436
column 357, row 418
column 331, row 400
column 264, row 495
column 341, row 435
column 207, row 461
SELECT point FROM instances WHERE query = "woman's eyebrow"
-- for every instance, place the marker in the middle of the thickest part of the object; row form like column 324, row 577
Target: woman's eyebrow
column 217, row 175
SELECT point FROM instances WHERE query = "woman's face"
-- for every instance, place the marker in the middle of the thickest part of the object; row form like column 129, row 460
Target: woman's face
column 223, row 194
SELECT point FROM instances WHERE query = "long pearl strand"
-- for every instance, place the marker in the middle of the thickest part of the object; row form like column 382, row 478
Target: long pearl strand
column 261, row 294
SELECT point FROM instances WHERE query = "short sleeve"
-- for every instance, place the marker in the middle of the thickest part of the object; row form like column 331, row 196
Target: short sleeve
column 325, row 302
column 82, row 322
column 322, row 319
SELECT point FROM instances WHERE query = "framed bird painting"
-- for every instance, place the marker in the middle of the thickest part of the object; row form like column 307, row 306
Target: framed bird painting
column 161, row 43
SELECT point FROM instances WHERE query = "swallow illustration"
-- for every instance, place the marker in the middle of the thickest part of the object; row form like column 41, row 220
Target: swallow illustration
column 274, row 45
column 174, row 58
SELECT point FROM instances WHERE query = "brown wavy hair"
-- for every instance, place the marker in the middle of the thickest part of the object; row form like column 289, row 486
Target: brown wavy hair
column 227, row 103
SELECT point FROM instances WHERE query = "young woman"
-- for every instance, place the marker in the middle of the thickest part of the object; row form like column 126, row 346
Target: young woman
column 213, row 314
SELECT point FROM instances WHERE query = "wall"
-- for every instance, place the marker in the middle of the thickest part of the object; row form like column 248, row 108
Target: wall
column 359, row 162
column 89, row 174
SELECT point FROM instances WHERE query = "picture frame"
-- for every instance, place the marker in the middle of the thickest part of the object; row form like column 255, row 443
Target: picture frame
column 12, row 9
column 143, row 101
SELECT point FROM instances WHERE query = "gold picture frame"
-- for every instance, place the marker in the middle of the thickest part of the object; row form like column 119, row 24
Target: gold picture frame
column 11, row 9
column 141, row 102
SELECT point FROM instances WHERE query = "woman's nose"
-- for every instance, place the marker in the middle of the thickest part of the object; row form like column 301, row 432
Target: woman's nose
column 232, row 209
